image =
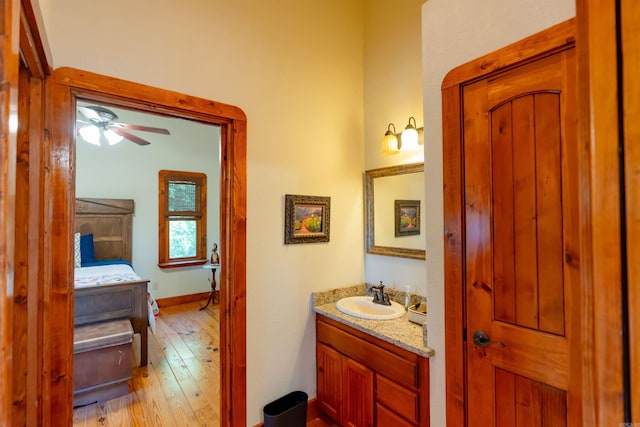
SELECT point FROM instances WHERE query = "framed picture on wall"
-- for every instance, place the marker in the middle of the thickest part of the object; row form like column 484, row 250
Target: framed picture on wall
column 306, row 219
column 407, row 217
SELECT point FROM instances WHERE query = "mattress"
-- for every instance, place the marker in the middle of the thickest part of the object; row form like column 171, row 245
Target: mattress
column 104, row 274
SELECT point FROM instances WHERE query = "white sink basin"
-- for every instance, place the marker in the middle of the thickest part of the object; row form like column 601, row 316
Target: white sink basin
column 363, row 307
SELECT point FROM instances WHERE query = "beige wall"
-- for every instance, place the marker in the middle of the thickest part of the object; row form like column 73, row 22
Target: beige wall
column 295, row 68
column 392, row 94
column 455, row 32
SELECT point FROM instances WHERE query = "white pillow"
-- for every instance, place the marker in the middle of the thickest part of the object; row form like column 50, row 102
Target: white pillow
column 76, row 250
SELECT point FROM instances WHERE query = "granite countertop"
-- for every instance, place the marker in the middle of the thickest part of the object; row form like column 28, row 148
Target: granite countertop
column 400, row 331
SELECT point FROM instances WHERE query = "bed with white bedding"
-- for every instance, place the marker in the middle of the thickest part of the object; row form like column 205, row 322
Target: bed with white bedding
column 104, row 274
column 106, row 286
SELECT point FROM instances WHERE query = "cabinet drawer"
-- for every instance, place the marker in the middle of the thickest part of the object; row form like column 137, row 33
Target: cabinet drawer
column 397, row 398
column 380, row 360
column 386, row 418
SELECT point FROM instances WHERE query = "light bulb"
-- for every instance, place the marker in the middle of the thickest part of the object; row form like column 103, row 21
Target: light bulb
column 112, row 137
column 91, row 134
column 409, row 136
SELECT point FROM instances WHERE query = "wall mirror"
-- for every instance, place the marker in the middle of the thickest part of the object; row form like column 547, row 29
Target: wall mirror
column 395, row 211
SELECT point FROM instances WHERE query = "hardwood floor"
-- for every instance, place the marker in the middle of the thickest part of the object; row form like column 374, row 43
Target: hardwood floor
column 181, row 384
column 321, row 422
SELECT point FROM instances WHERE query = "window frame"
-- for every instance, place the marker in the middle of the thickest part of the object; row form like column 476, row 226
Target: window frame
column 200, row 180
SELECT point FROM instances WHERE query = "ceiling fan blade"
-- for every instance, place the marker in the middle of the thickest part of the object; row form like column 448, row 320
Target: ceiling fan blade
column 130, row 136
column 143, row 128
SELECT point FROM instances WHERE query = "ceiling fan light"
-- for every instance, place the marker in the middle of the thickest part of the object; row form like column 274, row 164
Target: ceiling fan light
column 112, row 137
column 91, row 134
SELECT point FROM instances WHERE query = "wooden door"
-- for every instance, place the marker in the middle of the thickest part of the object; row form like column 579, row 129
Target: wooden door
column 358, row 394
column 329, row 381
column 521, row 241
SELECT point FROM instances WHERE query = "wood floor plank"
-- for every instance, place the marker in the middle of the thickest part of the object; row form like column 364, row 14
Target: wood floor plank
column 91, row 414
column 156, row 410
column 208, row 416
column 136, row 408
column 116, row 412
column 167, row 380
column 181, row 384
column 79, row 417
column 182, row 412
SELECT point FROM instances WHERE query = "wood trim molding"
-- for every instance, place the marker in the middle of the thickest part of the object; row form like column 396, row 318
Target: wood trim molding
column 23, row 68
column 182, row 299
column 600, row 371
column 313, row 410
column 528, row 49
column 36, row 51
column 198, row 214
column 9, row 65
column 554, row 39
column 66, row 85
column 630, row 16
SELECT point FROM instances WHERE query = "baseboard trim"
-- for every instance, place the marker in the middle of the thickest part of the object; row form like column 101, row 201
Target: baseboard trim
column 313, row 411
column 182, row 299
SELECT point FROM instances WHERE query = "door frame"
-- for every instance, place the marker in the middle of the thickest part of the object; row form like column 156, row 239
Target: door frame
column 554, row 39
column 24, row 60
column 62, row 89
column 603, row 34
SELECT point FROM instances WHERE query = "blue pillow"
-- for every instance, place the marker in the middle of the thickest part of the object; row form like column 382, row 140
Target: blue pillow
column 86, row 249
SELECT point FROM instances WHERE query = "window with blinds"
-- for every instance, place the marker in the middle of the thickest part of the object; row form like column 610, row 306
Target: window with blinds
column 182, row 228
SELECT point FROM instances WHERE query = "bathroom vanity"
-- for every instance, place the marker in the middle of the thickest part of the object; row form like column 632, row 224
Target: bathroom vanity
column 371, row 372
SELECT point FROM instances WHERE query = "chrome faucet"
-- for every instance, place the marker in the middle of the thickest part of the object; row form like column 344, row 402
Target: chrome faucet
column 379, row 296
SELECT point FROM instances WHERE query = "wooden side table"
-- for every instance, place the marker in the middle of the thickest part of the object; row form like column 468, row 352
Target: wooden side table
column 215, row 294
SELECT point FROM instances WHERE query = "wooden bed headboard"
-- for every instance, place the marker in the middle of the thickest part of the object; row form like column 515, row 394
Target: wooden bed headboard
column 110, row 222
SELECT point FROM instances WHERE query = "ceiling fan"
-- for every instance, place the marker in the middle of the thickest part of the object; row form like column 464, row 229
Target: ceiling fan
column 97, row 124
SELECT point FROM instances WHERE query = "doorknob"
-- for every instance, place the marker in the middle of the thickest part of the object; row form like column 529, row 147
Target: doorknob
column 481, row 339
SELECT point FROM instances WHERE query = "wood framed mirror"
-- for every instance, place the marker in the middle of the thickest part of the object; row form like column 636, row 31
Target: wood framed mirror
column 394, row 206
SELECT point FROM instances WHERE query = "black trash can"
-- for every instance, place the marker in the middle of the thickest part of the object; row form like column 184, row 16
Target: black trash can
column 287, row 411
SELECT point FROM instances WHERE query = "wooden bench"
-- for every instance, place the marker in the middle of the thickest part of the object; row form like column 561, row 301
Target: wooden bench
column 102, row 361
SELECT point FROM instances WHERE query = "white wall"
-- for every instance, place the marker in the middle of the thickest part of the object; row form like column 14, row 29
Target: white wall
column 296, row 69
column 455, row 32
column 130, row 171
column 392, row 94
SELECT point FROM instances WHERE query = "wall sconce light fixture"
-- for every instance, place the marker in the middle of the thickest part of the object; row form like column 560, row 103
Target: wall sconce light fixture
column 390, row 141
column 408, row 140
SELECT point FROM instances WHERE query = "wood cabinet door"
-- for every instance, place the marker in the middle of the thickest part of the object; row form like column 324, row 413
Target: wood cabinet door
column 385, row 417
column 358, row 394
column 329, row 381
column 521, row 241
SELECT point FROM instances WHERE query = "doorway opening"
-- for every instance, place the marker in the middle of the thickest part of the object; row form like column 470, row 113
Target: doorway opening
column 69, row 85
